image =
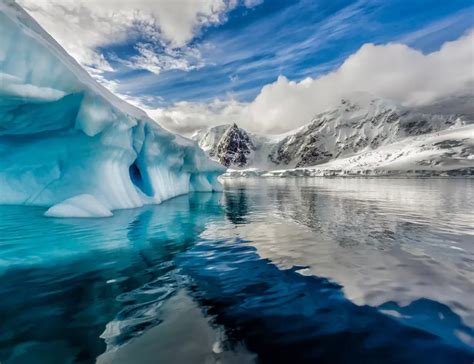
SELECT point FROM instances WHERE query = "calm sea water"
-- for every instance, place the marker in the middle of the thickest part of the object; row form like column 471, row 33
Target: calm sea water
column 270, row 271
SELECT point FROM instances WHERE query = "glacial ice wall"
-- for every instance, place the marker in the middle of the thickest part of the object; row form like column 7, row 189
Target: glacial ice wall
column 67, row 142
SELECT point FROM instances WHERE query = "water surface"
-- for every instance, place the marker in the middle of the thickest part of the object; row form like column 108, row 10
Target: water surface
column 270, row 270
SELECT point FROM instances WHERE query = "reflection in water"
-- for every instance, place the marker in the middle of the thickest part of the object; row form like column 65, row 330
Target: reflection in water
column 303, row 270
column 381, row 239
column 287, row 317
column 236, row 206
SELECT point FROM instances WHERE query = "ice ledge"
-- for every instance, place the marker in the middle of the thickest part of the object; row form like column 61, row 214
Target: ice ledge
column 79, row 206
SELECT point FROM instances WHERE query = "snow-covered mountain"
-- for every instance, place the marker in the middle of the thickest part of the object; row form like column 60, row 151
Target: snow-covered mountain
column 235, row 147
column 358, row 126
column 67, row 142
column 228, row 144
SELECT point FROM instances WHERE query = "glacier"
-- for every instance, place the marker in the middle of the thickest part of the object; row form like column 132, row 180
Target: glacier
column 68, row 143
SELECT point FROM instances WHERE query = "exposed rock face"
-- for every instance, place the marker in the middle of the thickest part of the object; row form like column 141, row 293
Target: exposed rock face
column 235, row 147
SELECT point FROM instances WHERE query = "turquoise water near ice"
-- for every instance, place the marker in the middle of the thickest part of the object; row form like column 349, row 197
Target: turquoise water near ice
column 270, row 270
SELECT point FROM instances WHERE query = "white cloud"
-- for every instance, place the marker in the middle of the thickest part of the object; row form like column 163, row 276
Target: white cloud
column 392, row 71
column 155, row 61
column 252, row 3
column 187, row 117
column 81, row 26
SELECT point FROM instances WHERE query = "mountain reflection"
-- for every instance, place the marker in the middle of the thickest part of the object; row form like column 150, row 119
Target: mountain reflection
column 236, row 206
column 381, row 239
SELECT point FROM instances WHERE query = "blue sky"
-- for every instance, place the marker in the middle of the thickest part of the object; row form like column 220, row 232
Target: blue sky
column 292, row 38
column 268, row 64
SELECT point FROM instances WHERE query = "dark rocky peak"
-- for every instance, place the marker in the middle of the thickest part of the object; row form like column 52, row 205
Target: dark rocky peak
column 234, row 147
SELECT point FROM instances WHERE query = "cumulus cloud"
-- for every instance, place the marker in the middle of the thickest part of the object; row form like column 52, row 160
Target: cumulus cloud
column 392, row 71
column 82, row 26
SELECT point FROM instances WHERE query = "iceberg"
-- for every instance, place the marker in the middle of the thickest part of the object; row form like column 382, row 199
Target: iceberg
column 68, row 143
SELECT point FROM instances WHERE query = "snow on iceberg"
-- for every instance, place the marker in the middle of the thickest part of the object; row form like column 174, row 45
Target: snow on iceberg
column 67, row 141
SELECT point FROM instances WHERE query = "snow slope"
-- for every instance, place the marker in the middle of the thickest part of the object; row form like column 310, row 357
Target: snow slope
column 67, row 141
column 446, row 153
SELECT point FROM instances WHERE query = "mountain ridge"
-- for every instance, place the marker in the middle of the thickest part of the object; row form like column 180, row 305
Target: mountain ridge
column 356, row 126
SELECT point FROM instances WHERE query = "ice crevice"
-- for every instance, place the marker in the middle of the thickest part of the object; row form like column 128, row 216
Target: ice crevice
column 67, row 143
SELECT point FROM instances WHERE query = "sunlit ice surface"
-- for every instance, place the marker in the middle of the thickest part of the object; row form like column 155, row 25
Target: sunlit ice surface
column 270, row 270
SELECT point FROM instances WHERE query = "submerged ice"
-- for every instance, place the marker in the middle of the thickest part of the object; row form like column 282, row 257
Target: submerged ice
column 67, row 141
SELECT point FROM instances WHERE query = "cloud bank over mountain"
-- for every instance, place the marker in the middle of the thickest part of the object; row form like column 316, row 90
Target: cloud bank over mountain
column 391, row 71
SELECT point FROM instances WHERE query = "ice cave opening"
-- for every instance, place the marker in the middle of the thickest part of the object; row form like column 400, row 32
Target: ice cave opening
column 139, row 180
